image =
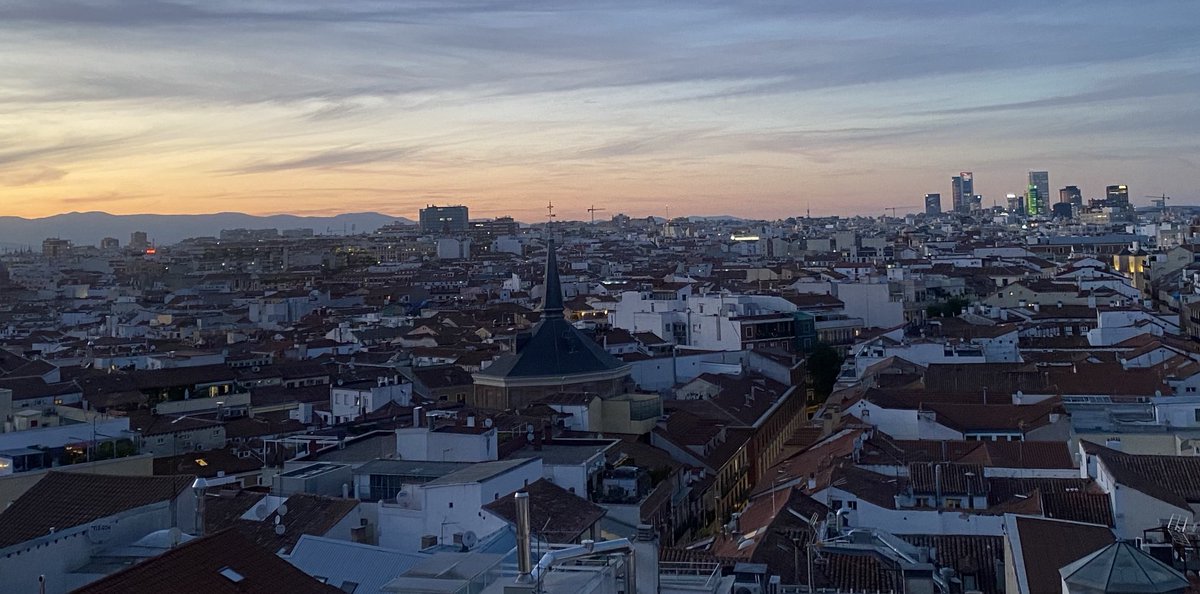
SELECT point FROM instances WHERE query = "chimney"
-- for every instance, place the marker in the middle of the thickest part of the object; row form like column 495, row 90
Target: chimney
column 198, row 487
column 418, row 412
column 524, row 542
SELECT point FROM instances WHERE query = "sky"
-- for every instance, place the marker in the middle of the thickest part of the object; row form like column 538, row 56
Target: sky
column 759, row 109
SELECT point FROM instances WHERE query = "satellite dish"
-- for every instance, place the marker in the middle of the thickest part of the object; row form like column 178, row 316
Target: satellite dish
column 260, row 511
column 279, row 530
column 488, row 423
column 282, row 509
column 470, row 539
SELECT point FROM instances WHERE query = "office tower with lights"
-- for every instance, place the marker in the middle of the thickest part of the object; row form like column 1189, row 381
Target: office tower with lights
column 1035, row 204
column 933, row 204
column 444, row 219
column 963, row 190
column 1041, row 181
column 1016, row 204
column 1117, row 196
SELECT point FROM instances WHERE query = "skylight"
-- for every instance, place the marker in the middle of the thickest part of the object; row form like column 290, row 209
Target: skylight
column 231, row 575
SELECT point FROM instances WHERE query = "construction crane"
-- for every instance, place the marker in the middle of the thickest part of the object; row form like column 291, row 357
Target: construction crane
column 593, row 210
column 1159, row 201
column 895, row 208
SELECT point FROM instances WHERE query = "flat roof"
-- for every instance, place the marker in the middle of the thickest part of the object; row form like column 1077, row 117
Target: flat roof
column 411, row 468
column 480, row 472
column 557, row 454
column 312, row 470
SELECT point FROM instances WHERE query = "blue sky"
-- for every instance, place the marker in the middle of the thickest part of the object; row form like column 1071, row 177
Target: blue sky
column 753, row 108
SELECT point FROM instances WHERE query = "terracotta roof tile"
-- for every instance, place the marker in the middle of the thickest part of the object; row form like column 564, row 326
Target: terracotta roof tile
column 66, row 499
column 566, row 516
column 225, row 562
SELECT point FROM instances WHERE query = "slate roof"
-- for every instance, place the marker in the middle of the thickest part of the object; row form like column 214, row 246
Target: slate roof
column 556, row 349
column 565, row 515
column 64, row 500
column 225, row 562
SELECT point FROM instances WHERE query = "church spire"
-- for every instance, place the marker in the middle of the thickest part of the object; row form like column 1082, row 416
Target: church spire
column 552, row 303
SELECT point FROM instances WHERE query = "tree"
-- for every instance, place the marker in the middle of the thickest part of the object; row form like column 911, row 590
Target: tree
column 824, row 365
column 948, row 308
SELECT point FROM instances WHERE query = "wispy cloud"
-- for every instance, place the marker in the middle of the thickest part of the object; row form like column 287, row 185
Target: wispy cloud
column 33, row 175
column 330, row 159
column 504, row 98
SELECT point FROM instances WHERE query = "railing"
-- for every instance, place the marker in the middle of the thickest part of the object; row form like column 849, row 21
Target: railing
column 706, row 573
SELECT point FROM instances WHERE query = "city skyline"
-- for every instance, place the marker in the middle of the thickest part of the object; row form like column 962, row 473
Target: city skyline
column 761, row 112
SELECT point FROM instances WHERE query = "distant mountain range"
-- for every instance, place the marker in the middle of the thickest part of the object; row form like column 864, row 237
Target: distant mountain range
column 88, row 228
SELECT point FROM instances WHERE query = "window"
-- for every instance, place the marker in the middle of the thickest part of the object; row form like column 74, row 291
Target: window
column 451, row 505
column 953, row 504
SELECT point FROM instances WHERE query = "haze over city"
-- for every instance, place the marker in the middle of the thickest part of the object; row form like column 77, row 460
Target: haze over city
column 756, row 110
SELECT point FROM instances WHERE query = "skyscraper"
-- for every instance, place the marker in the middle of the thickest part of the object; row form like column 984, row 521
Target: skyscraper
column 963, row 190
column 444, row 219
column 933, row 204
column 1071, row 195
column 1041, row 181
column 1016, row 204
column 1035, row 204
column 1117, row 196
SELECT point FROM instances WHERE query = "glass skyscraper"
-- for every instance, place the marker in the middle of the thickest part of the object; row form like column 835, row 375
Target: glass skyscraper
column 963, row 190
column 933, row 204
column 1041, row 181
column 1117, row 196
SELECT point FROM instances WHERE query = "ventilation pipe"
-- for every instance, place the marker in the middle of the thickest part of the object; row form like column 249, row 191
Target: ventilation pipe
column 524, row 544
column 198, row 487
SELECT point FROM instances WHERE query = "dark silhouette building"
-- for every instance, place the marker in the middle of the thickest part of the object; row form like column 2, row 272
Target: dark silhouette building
column 933, row 204
column 449, row 220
